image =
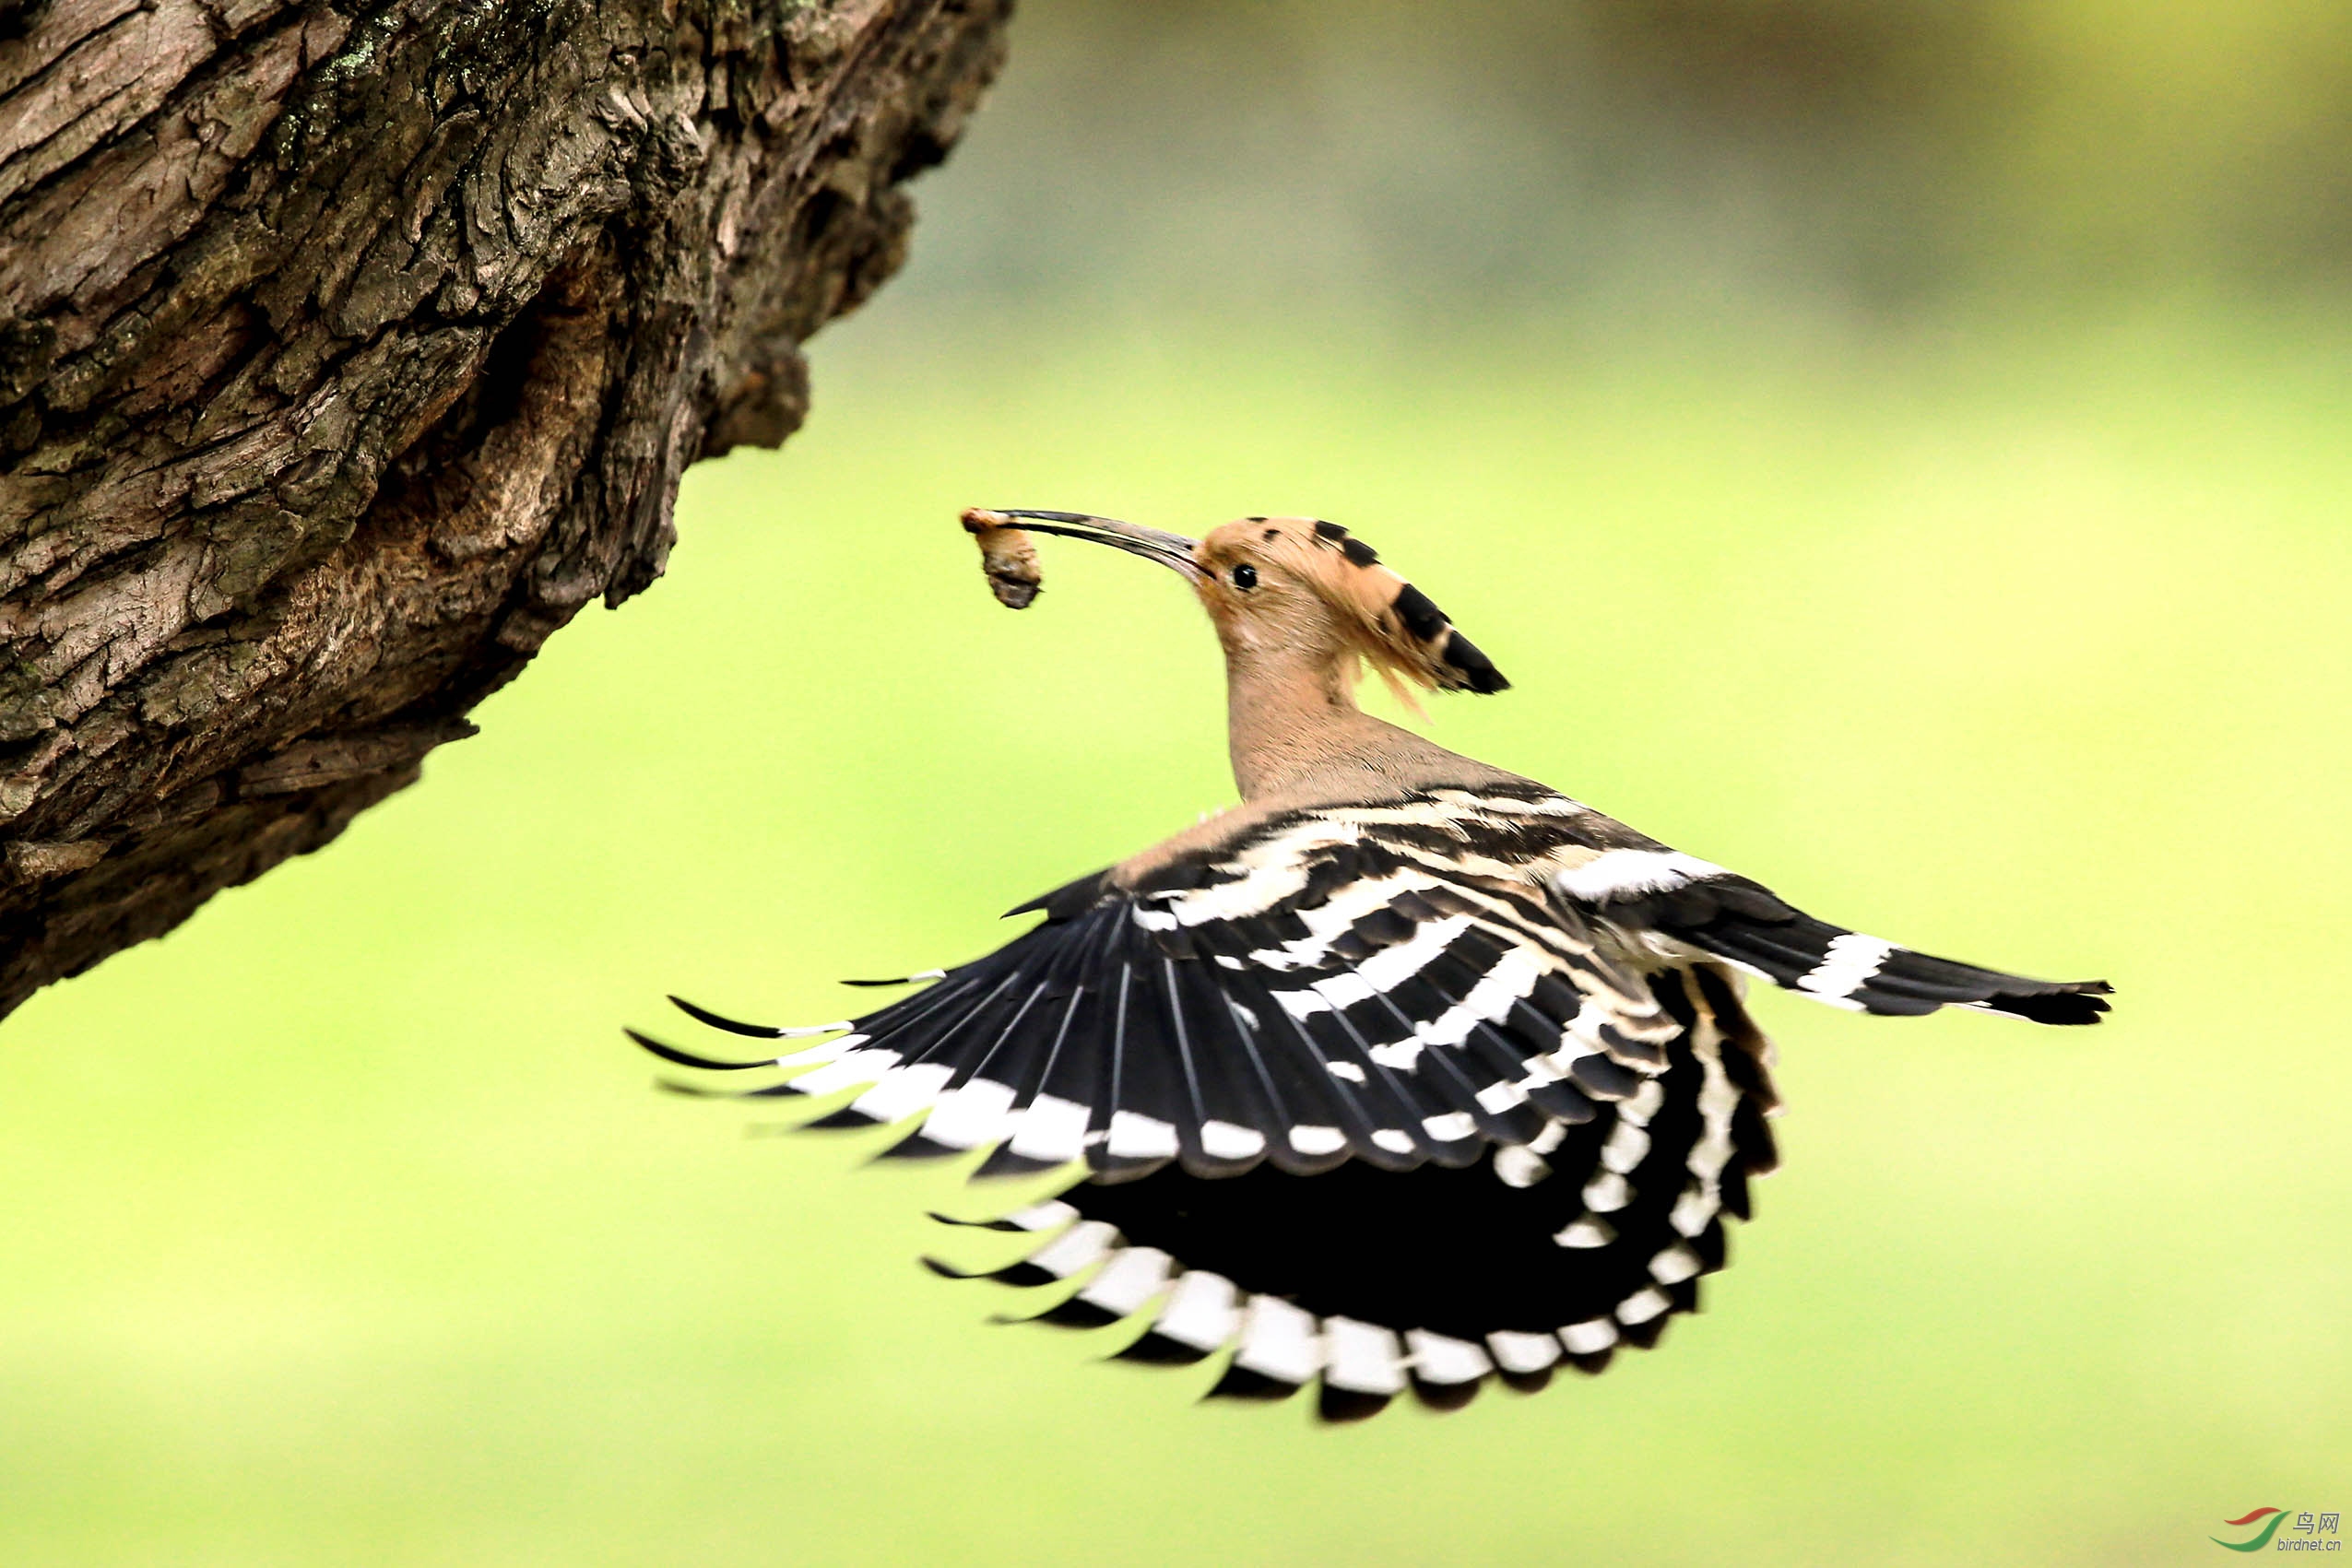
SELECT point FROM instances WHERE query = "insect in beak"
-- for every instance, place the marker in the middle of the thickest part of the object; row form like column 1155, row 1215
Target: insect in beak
column 1171, row 551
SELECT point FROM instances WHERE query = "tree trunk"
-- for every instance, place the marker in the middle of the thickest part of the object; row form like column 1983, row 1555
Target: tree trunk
column 347, row 350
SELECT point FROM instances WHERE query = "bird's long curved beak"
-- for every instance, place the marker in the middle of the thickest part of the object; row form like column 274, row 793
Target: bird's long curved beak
column 1171, row 551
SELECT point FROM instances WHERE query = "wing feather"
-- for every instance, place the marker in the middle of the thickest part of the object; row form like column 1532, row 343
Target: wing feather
column 1501, row 1033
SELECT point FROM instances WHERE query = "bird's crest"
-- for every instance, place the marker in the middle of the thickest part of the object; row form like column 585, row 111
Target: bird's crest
column 1396, row 627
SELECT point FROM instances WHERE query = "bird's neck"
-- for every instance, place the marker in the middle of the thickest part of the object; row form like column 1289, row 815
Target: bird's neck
column 1290, row 716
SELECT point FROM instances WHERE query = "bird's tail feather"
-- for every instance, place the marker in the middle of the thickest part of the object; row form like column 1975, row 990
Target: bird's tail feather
column 1847, row 969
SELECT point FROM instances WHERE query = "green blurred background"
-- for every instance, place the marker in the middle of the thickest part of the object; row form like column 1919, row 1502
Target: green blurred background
column 1898, row 449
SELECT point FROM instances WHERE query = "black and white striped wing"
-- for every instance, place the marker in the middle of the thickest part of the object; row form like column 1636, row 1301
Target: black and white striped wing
column 1522, row 1144
column 1382, row 984
column 1406, row 1094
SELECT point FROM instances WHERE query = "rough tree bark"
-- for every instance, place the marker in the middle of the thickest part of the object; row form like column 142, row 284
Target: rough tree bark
column 348, row 349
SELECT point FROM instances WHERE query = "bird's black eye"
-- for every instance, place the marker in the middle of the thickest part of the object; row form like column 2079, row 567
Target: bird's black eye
column 1245, row 576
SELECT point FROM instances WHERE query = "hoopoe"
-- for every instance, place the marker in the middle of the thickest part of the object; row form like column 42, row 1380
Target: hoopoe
column 1402, row 1073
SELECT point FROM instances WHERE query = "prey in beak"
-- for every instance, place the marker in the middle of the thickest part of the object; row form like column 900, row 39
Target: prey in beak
column 1012, row 561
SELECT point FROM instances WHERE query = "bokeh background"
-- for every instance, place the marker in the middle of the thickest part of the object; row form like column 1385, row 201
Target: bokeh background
column 1900, row 450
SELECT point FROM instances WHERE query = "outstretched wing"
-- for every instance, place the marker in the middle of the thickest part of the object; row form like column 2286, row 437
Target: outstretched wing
column 1384, row 984
column 1517, row 1000
column 1372, row 1282
column 1348, row 993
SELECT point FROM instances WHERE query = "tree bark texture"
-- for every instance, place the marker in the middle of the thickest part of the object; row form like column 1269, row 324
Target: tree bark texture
column 347, row 350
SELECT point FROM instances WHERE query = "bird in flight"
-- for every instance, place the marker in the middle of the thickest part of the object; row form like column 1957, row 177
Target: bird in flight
column 1401, row 1074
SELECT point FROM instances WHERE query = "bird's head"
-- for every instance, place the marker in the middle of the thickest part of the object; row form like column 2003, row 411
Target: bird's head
column 1299, row 586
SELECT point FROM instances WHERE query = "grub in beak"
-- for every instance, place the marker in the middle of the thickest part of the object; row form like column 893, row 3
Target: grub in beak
column 1009, row 557
column 1171, row 551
